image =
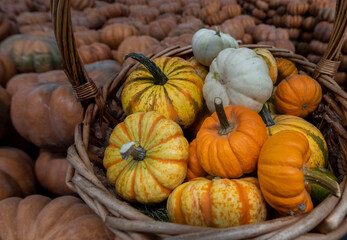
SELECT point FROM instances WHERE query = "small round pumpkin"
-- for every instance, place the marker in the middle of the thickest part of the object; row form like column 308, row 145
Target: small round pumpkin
column 229, row 141
column 114, row 34
column 146, row 158
column 167, row 85
column 217, row 203
column 298, row 95
column 206, row 44
column 270, row 61
column 285, row 68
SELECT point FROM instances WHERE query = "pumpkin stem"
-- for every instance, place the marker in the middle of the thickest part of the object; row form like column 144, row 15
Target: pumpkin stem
column 317, row 177
column 225, row 126
column 266, row 116
column 218, row 32
column 129, row 149
column 157, row 73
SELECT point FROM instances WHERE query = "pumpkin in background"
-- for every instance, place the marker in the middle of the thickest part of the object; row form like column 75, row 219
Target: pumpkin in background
column 323, row 31
column 39, row 217
column 270, row 61
column 7, row 26
column 194, row 167
column 114, row 10
column 161, row 28
column 137, row 44
column 86, row 37
column 5, row 101
column 217, row 203
column 285, row 68
column 167, row 85
column 81, row 4
column 206, row 44
column 229, row 141
column 7, row 69
column 238, row 77
column 114, row 34
column 50, row 171
column 32, row 54
column 94, row 52
column 234, row 28
column 146, row 158
column 283, row 174
column 318, row 146
column 298, row 95
column 17, row 177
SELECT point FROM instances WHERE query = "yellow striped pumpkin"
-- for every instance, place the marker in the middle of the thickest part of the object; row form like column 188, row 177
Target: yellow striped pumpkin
column 318, row 146
column 170, row 86
column 146, row 157
column 217, row 203
column 270, row 61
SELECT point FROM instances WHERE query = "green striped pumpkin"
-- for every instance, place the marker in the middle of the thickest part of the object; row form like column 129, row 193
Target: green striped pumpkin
column 318, row 146
column 31, row 53
column 168, row 85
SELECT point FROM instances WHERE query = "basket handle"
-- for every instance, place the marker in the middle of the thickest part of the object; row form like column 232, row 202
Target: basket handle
column 330, row 61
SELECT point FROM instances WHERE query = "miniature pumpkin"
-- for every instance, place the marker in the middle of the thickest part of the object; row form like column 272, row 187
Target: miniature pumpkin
column 326, row 14
column 114, row 34
column 318, row 146
column 206, row 44
column 32, row 54
column 94, row 52
column 167, row 85
column 194, row 167
column 285, row 68
column 50, row 171
column 86, row 37
column 323, row 31
column 298, row 95
column 270, row 61
column 228, row 142
column 217, row 203
column 234, row 28
column 39, row 217
column 161, row 28
column 297, row 7
column 239, row 77
column 282, row 173
column 146, row 158
column 17, row 177
column 114, row 10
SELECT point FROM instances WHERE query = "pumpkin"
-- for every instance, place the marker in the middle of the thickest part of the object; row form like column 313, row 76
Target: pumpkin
column 50, row 171
column 264, row 32
column 7, row 69
column 161, row 28
column 216, row 17
column 239, row 77
column 194, row 168
column 323, row 31
column 5, row 101
column 192, row 9
column 81, row 4
column 32, row 54
column 270, row 61
column 245, row 20
column 7, row 26
column 229, row 141
column 326, row 14
column 298, row 95
column 39, row 217
column 217, row 203
column 297, row 7
column 282, row 173
column 94, row 52
column 317, row 47
column 292, row 21
column 234, row 28
column 206, row 44
column 144, row 13
column 276, row 123
column 309, row 23
column 89, row 20
column 28, row 18
column 285, row 68
column 170, row 7
column 114, row 10
column 146, row 158
column 167, row 85
column 86, row 37
column 114, row 34
column 17, row 177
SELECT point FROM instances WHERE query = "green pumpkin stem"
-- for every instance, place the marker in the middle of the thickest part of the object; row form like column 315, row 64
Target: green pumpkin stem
column 314, row 176
column 218, row 32
column 130, row 149
column 225, row 126
column 266, row 116
column 157, row 73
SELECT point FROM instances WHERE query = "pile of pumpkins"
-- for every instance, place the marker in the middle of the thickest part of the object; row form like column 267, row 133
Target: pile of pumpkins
column 244, row 110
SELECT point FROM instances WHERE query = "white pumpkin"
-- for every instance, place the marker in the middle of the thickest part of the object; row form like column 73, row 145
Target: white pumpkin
column 206, row 44
column 238, row 77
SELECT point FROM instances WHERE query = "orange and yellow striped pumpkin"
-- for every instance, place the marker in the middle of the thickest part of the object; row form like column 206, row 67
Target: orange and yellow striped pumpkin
column 146, row 157
column 217, row 203
column 170, row 86
column 285, row 68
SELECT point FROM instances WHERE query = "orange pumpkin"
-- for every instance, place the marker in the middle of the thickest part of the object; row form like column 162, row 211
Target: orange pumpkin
column 285, row 68
column 94, row 52
column 298, row 95
column 114, row 34
column 229, row 142
column 194, row 168
column 282, row 173
column 217, row 203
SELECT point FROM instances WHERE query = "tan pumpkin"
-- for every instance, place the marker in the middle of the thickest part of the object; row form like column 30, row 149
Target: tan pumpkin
column 217, row 203
column 144, row 13
column 264, row 32
column 86, row 37
column 50, row 171
column 323, row 31
column 114, row 10
column 317, row 47
column 309, row 23
column 114, row 34
column 28, row 18
column 91, row 20
column 170, row 7
column 17, row 177
column 245, row 20
column 39, row 217
column 292, row 21
column 137, row 44
column 326, row 14
column 94, row 52
column 81, row 4
column 234, row 28
column 160, row 28
column 297, row 7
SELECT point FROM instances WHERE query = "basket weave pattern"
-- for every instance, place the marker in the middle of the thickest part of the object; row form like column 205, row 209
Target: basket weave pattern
column 86, row 176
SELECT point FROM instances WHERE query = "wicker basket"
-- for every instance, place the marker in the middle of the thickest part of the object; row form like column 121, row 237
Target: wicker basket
column 87, row 177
